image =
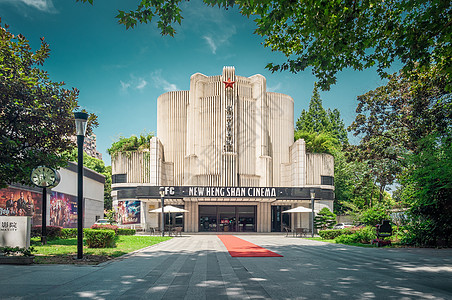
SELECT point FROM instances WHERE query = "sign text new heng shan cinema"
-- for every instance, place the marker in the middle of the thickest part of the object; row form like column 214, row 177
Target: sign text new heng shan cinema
column 207, row 191
column 199, row 191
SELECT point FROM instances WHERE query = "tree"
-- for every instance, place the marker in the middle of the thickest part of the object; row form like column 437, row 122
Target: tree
column 374, row 215
column 325, row 219
column 393, row 118
column 132, row 143
column 411, row 106
column 408, row 123
column 318, row 120
column 427, row 189
column 329, row 36
column 318, row 143
column 97, row 165
column 36, row 114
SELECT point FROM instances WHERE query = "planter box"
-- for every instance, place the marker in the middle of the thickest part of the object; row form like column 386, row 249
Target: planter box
column 16, row 260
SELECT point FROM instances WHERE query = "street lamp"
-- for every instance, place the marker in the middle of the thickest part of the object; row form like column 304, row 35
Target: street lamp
column 312, row 214
column 162, row 198
column 80, row 129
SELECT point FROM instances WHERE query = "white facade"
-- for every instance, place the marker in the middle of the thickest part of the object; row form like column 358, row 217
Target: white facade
column 61, row 208
column 226, row 131
column 93, row 191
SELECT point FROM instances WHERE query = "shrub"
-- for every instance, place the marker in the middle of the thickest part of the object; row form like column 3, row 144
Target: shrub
column 325, row 219
column 332, row 234
column 125, row 231
column 374, row 215
column 104, row 238
column 67, row 233
column 17, row 251
column 52, row 231
column 105, row 227
column 362, row 235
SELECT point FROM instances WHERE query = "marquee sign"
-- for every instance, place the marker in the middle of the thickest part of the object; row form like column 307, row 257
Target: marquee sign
column 179, row 192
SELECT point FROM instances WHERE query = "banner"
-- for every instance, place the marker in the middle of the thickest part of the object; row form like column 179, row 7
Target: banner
column 19, row 202
column 63, row 210
column 129, row 212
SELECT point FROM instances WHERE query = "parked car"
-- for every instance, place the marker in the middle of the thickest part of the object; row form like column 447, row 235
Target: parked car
column 102, row 222
column 342, row 225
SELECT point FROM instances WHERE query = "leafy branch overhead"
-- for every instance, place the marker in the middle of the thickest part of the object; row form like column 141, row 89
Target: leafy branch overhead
column 329, row 36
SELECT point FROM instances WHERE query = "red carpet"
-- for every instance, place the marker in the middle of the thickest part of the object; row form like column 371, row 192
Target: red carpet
column 241, row 248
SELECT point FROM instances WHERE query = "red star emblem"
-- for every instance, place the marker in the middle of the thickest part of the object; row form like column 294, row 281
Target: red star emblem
column 229, row 83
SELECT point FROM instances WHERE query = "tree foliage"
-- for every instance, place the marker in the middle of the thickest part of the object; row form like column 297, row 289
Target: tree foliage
column 406, row 130
column 318, row 120
column 36, row 114
column 393, row 118
column 427, row 188
column 318, row 143
column 325, row 219
column 409, row 107
column 132, row 143
column 329, row 36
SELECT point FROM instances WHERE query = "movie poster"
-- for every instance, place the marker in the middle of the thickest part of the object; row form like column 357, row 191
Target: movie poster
column 19, row 202
column 63, row 210
column 129, row 212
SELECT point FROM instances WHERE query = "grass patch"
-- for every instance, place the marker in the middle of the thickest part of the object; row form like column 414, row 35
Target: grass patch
column 59, row 250
column 320, row 240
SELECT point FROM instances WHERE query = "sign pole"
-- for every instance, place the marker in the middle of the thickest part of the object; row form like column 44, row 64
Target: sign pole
column 44, row 217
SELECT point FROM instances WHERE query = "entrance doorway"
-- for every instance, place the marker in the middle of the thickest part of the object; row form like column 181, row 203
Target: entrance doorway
column 227, row 218
column 280, row 220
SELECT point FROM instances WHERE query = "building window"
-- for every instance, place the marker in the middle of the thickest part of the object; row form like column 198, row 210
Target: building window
column 327, row 180
column 119, row 178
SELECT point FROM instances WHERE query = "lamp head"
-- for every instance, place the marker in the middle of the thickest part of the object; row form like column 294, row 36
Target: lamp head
column 312, row 191
column 80, row 122
column 162, row 191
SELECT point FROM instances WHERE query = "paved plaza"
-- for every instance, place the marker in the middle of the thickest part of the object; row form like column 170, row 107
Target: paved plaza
column 199, row 267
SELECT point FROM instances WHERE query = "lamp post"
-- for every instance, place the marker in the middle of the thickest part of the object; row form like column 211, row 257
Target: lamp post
column 312, row 214
column 162, row 198
column 80, row 129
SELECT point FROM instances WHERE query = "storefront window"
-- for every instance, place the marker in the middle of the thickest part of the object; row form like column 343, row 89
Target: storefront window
column 227, row 218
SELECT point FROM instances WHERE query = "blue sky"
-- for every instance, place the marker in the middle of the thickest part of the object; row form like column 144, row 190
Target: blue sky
column 120, row 73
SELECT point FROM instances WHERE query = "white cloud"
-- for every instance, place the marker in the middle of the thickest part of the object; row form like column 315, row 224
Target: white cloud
column 141, row 84
column 274, row 88
column 124, row 85
column 162, row 83
column 42, row 5
column 219, row 38
column 211, row 43
column 211, row 23
column 136, row 83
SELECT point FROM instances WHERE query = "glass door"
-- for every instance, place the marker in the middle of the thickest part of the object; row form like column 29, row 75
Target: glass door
column 247, row 218
column 227, row 217
column 280, row 219
column 207, row 218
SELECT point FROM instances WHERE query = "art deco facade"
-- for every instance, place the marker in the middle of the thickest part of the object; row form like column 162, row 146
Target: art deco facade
column 227, row 131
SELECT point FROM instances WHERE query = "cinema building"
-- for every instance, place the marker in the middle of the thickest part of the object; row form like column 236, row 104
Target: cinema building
column 225, row 152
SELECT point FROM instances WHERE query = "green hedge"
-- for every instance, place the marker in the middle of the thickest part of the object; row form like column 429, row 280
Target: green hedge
column 363, row 236
column 334, row 233
column 67, row 233
column 125, row 231
column 52, row 231
column 100, row 238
